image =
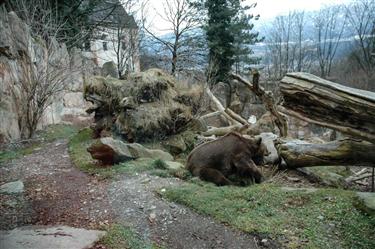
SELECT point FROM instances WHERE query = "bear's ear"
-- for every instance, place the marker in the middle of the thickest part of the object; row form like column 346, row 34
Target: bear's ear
column 258, row 141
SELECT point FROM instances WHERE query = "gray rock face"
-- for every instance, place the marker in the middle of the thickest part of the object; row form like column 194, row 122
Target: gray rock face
column 41, row 237
column 175, row 145
column 109, row 150
column 268, row 139
column 330, row 176
column 12, row 187
column 366, row 202
column 302, row 190
column 110, row 69
column 174, row 165
column 17, row 43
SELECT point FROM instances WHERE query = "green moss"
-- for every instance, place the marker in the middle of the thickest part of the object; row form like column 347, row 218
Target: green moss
column 120, row 237
column 322, row 219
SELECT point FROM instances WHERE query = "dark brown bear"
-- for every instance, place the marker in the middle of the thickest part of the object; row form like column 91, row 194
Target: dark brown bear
column 229, row 155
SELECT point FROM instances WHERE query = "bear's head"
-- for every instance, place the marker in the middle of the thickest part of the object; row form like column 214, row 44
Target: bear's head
column 258, row 150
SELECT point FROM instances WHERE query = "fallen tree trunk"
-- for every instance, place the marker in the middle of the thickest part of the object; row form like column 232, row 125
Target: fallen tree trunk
column 314, row 100
column 297, row 153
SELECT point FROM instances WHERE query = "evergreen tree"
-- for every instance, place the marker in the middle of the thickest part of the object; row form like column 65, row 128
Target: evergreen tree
column 228, row 33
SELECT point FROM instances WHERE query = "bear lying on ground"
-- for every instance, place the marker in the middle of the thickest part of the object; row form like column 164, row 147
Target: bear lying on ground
column 229, row 155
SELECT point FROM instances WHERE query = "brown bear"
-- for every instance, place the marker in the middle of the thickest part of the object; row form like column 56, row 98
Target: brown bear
column 231, row 154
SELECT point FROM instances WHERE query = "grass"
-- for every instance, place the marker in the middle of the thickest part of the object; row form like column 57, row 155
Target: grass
column 50, row 134
column 120, row 237
column 322, row 219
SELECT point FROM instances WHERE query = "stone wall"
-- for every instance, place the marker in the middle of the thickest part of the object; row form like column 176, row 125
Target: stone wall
column 16, row 43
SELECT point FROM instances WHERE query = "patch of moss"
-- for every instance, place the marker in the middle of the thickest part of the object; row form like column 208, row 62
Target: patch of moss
column 120, row 237
column 325, row 218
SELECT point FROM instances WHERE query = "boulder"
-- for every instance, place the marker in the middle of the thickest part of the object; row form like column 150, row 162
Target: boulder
column 146, row 106
column 366, row 202
column 110, row 69
column 268, row 140
column 329, row 175
column 44, row 237
column 174, row 165
column 299, row 190
column 12, row 187
column 175, row 145
column 111, row 151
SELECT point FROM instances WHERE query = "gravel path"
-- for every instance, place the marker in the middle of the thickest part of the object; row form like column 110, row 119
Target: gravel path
column 135, row 203
column 56, row 192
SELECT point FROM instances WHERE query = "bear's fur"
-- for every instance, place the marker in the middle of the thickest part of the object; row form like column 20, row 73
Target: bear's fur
column 231, row 154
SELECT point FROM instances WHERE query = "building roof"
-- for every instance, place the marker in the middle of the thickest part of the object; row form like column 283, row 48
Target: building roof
column 112, row 13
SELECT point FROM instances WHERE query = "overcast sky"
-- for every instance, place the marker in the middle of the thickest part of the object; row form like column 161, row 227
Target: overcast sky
column 267, row 9
column 271, row 8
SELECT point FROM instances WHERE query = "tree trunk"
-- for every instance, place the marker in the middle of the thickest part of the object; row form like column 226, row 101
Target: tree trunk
column 314, row 100
column 297, row 153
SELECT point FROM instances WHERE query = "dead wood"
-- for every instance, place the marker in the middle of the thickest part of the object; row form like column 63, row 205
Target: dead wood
column 315, row 100
column 297, row 153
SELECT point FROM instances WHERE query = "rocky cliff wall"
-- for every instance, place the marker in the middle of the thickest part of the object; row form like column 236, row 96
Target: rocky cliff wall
column 16, row 43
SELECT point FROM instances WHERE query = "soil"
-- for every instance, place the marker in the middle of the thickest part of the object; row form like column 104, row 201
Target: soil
column 57, row 193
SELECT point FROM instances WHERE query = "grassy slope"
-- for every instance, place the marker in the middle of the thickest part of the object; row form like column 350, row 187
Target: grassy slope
column 323, row 219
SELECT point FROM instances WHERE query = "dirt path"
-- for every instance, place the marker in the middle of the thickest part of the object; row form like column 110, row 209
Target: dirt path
column 57, row 193
column 135, row 203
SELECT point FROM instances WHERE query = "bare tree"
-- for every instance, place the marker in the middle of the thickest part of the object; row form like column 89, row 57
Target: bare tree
column 361, row 15
column 287, row 49
column 329, row 25
column 181, row 17
column 41, row 70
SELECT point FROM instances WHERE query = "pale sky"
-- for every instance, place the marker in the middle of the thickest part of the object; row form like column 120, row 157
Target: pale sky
column 271, row 8
column 265, row 8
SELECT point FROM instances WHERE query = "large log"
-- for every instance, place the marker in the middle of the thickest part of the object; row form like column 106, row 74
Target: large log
column 297, row 153
column 312, row 99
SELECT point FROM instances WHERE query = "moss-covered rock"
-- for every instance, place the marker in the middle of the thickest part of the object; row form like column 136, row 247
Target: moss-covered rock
column 329, row 175
column 146, row 106
column 366, row 202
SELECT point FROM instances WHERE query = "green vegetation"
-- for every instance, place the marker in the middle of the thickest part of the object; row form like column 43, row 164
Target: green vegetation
column 120, row 237
column 50, row 134
column 325, row 218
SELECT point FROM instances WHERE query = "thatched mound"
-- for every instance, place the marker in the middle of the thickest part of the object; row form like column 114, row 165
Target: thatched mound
column 147, row 105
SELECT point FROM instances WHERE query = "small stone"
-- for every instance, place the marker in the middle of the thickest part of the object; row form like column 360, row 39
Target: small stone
column 152, row 217
column 320, row 217
column 293, row 179
column 162, row 190
column 174, row 165
column 12, row 187
column 365, row 201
